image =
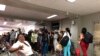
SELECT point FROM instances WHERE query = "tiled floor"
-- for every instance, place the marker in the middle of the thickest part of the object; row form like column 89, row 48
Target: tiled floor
column 5, row 54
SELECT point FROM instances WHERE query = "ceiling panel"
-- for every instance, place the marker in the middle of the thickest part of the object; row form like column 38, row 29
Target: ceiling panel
column 18, row 8
column 29, row 14
column 81, row 7
column 40, row 9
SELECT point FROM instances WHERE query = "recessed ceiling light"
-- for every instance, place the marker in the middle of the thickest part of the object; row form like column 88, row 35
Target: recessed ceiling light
column 71, row 1
column 2, row 7
column 52, row 16
column 5, row 23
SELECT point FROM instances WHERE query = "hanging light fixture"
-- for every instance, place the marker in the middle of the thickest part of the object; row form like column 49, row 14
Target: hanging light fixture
column 52, row 16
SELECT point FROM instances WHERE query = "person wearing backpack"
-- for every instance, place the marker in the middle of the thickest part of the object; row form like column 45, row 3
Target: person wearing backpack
column 45, row 41
column 85, row 39
column 66, row 49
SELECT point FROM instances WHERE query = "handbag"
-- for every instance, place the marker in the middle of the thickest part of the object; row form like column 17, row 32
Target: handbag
column 58, row 47
column 64, row 41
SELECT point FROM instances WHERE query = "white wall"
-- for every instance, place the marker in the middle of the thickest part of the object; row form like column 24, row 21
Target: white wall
column 84, row 21
column 65, row 23
column 25, row 24
column 75, row 28
column 88, row 22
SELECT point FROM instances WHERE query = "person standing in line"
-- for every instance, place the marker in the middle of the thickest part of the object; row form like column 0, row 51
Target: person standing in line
column 12, row 36
column 34, row 37
column 39, row 40
column 19, row 31
column 55, row 42
column 83, row 44
column 66, row 49
column 44, row 42
column 51, row 42
column 29, row 37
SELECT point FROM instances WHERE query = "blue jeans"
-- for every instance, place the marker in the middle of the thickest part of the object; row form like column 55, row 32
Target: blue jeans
column 67, row 49
column 44, row 49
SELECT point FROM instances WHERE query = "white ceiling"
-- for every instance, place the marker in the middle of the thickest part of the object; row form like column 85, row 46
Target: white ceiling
column 29, row 11
column 40, row 9
column 24, row 13
column 81, row 7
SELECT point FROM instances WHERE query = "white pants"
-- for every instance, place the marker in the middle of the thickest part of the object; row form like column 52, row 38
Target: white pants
column 55, row 44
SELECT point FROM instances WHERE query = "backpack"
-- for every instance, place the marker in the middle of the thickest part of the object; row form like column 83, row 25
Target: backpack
column 88, row 38
column 64, row 41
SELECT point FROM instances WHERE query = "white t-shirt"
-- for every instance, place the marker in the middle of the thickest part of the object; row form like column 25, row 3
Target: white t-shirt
column 67, row 34
column 55, row 36
column 34, row 37
column 27, row 50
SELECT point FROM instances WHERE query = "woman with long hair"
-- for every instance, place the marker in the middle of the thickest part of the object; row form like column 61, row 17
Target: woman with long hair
column 83, row 44
column 66, row 48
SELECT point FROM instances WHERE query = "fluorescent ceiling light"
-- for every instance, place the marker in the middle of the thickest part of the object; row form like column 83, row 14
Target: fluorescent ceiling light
column 2, row 7
column 19, row 24
column 71, row 1
column 52, row 16
column 5, row 23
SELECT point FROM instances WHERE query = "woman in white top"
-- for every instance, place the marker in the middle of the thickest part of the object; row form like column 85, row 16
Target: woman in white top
column 66, row 49
column 22, row 46
column 55, row 42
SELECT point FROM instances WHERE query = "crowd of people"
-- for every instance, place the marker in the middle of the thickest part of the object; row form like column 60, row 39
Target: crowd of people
column 41, row 41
